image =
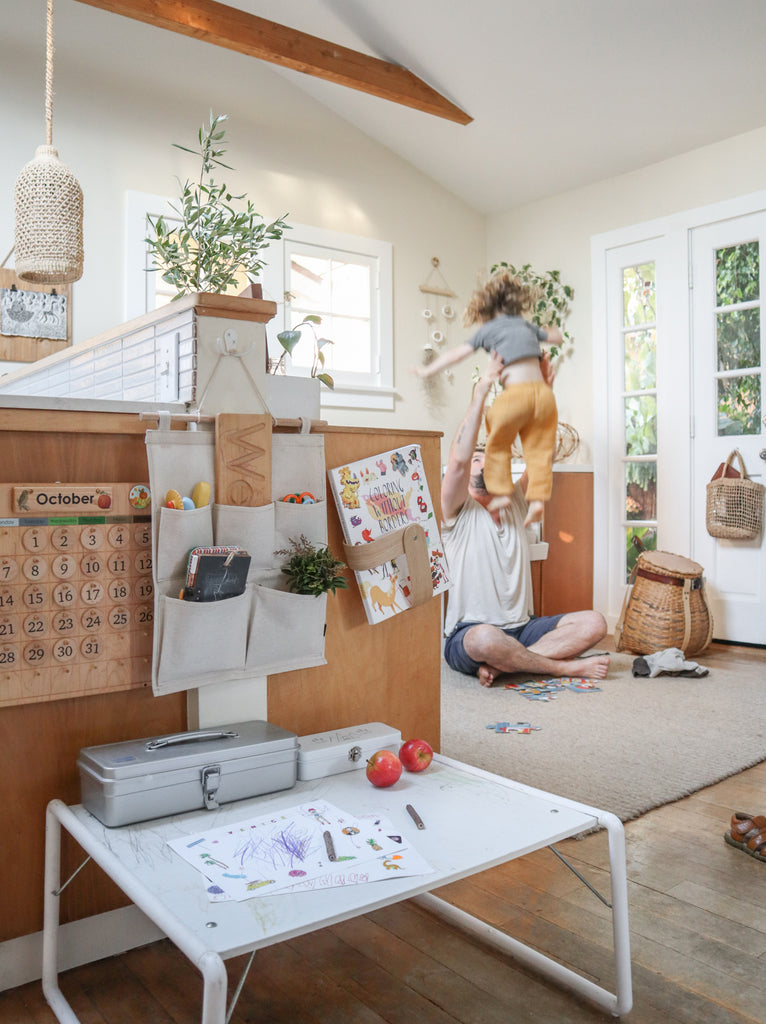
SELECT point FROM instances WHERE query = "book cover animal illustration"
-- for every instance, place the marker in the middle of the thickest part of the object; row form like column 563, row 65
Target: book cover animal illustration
column 375, row 497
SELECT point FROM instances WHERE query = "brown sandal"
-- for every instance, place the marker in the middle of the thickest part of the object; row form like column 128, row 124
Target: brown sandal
column 743, row 825
column 756, row 846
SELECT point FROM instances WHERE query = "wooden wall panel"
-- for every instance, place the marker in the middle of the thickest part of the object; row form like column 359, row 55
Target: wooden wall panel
column 39, row 743
column 566, row 581
column 389, row 672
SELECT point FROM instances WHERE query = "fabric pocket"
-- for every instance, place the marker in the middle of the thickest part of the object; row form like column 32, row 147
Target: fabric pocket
column 200, row 639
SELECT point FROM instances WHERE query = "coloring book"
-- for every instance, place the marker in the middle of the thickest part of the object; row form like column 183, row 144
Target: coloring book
column 375, row 497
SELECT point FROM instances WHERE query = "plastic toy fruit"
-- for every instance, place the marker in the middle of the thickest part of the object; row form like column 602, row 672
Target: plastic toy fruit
column 173, row 499
column 384, row 768
column 415, row 755
column 201, row 494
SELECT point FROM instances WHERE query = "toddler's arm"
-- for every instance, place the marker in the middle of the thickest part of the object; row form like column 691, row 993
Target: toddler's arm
column 446, row 359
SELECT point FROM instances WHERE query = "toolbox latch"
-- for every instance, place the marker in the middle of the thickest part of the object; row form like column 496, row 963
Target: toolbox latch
column 211, row 779
column 354, row 754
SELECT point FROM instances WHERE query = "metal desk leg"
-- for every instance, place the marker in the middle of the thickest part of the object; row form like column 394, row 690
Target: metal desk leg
column 51, row 990
column 208, row 963
column 616, row 1004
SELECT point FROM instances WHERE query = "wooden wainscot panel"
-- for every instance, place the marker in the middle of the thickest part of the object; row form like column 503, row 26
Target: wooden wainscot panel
column 388, row 672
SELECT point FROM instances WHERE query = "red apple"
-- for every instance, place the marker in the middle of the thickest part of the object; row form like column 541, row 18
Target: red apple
column 104, row 501
column 415, row 755
column 384, row 768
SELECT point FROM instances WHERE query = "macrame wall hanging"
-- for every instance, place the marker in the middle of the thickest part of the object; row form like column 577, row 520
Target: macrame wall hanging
column 48, row 199
column 438, row 313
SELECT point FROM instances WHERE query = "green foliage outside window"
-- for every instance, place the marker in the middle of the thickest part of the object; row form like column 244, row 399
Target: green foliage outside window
column 738, row 338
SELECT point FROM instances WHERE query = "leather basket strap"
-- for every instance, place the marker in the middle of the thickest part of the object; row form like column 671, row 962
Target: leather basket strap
column 412, row 543
column 675, row 581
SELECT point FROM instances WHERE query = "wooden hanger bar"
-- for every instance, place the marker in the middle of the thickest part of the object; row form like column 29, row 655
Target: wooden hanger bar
column 237, row 30
column 191, row 417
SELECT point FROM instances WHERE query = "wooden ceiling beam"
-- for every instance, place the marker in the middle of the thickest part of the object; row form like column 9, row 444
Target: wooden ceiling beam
column 245, row 33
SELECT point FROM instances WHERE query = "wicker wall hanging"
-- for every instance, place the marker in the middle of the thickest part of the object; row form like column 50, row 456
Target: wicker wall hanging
column 48, row 198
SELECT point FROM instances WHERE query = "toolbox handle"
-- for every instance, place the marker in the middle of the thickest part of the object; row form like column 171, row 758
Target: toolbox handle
column 189, row 737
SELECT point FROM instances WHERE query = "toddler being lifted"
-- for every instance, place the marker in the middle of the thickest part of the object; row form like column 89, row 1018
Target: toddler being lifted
column 526, row 405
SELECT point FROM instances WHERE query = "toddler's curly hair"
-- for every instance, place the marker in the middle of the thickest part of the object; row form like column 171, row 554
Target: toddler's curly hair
column 503, row 293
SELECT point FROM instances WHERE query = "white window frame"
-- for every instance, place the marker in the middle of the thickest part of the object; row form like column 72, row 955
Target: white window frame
column 140, row 281
column 374, row 390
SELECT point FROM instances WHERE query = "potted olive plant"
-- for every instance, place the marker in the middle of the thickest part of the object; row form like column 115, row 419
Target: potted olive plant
column 217, row 240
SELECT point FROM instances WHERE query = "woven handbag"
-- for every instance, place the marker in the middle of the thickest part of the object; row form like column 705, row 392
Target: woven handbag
column 734, row 504
column 665, row 606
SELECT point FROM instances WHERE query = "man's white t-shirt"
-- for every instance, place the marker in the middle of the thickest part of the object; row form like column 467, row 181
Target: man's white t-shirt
column 489, row 565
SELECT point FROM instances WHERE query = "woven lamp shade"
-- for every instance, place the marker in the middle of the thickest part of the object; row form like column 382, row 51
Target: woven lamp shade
column 48, row 238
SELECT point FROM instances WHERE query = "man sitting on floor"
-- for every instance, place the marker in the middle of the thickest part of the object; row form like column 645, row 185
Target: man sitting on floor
column 488, row 626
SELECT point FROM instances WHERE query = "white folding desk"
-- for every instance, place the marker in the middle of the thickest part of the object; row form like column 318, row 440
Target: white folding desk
column 474, row 820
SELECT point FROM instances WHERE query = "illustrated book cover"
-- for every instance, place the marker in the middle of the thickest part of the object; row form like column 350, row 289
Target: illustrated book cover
column 375, row 497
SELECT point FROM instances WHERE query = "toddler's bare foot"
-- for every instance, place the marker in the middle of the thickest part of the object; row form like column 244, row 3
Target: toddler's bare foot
column 535, row 513
column 499, row 501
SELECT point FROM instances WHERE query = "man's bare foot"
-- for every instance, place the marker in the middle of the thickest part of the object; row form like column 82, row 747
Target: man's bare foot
column 593, row 668
column 535, row 513
column 500, row 501
column 486, row 675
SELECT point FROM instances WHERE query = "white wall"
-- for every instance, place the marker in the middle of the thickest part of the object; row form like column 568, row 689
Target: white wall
column 556, row 233
column 138, row 89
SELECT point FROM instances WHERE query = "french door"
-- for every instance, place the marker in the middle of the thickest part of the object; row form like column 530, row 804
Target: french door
column 728, row 284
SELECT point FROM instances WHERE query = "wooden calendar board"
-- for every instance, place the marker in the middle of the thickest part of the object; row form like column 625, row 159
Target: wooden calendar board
column 76, row 592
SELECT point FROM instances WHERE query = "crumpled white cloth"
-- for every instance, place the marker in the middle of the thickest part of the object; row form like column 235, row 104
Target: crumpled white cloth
column 669, row 662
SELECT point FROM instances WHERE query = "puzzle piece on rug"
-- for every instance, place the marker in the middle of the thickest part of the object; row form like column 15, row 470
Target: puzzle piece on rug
column 520, row 727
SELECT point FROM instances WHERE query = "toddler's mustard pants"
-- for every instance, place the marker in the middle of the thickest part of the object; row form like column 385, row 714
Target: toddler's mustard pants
column 529, row 410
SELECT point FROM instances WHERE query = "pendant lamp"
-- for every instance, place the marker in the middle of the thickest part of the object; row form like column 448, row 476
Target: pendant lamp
column 48, row 235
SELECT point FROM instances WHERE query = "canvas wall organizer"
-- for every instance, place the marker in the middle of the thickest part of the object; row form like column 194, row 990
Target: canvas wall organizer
column 267, row 629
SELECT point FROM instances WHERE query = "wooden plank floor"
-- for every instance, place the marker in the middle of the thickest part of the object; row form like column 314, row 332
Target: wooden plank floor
column 698, row 934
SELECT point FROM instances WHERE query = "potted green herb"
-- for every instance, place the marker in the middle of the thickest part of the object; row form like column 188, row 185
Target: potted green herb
column 216, row 242
column 310, row 569
column 289, row 339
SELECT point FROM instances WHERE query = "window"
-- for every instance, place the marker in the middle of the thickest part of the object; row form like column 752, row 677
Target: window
column 738, row 339
column 144, row 288
column 639, row 347
column 347, row 281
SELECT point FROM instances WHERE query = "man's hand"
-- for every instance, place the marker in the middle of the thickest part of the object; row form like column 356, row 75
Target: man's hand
column 549, row 374
column 492, row 372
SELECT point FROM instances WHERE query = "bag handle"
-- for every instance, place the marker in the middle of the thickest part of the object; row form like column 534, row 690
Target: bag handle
column 736, row 452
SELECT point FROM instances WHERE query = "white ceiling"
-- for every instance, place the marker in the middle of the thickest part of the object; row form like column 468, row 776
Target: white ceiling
column 563, row 93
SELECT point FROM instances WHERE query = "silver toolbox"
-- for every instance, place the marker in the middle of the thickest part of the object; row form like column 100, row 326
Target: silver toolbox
column 136, row 780
column 342, row 750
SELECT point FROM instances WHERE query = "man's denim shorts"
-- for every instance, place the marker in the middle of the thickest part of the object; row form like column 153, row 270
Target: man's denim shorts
column 456, row 656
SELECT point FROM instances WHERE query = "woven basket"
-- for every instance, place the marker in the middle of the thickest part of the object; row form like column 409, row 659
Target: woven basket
column 665, row 606
column 48, row 236
column 734, row 505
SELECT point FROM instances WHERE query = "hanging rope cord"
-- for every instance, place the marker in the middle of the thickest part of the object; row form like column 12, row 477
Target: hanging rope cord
column 49, row 76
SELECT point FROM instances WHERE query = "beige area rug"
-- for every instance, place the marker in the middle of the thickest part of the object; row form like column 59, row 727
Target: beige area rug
column 635, row 744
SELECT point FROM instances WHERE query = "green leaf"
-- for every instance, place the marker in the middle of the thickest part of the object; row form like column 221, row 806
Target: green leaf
column 321, row 342
column 312, row 318
column 288, row 340
column 326, row 379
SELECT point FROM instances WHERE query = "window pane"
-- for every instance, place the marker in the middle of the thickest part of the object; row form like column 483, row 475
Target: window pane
column 640, row 360
column 351, row 348
column 739, row 405
column 648, row 537
column 736, row 274
column 641, row 490
column 641, row 425
column 738, row 335
column 638, row 290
